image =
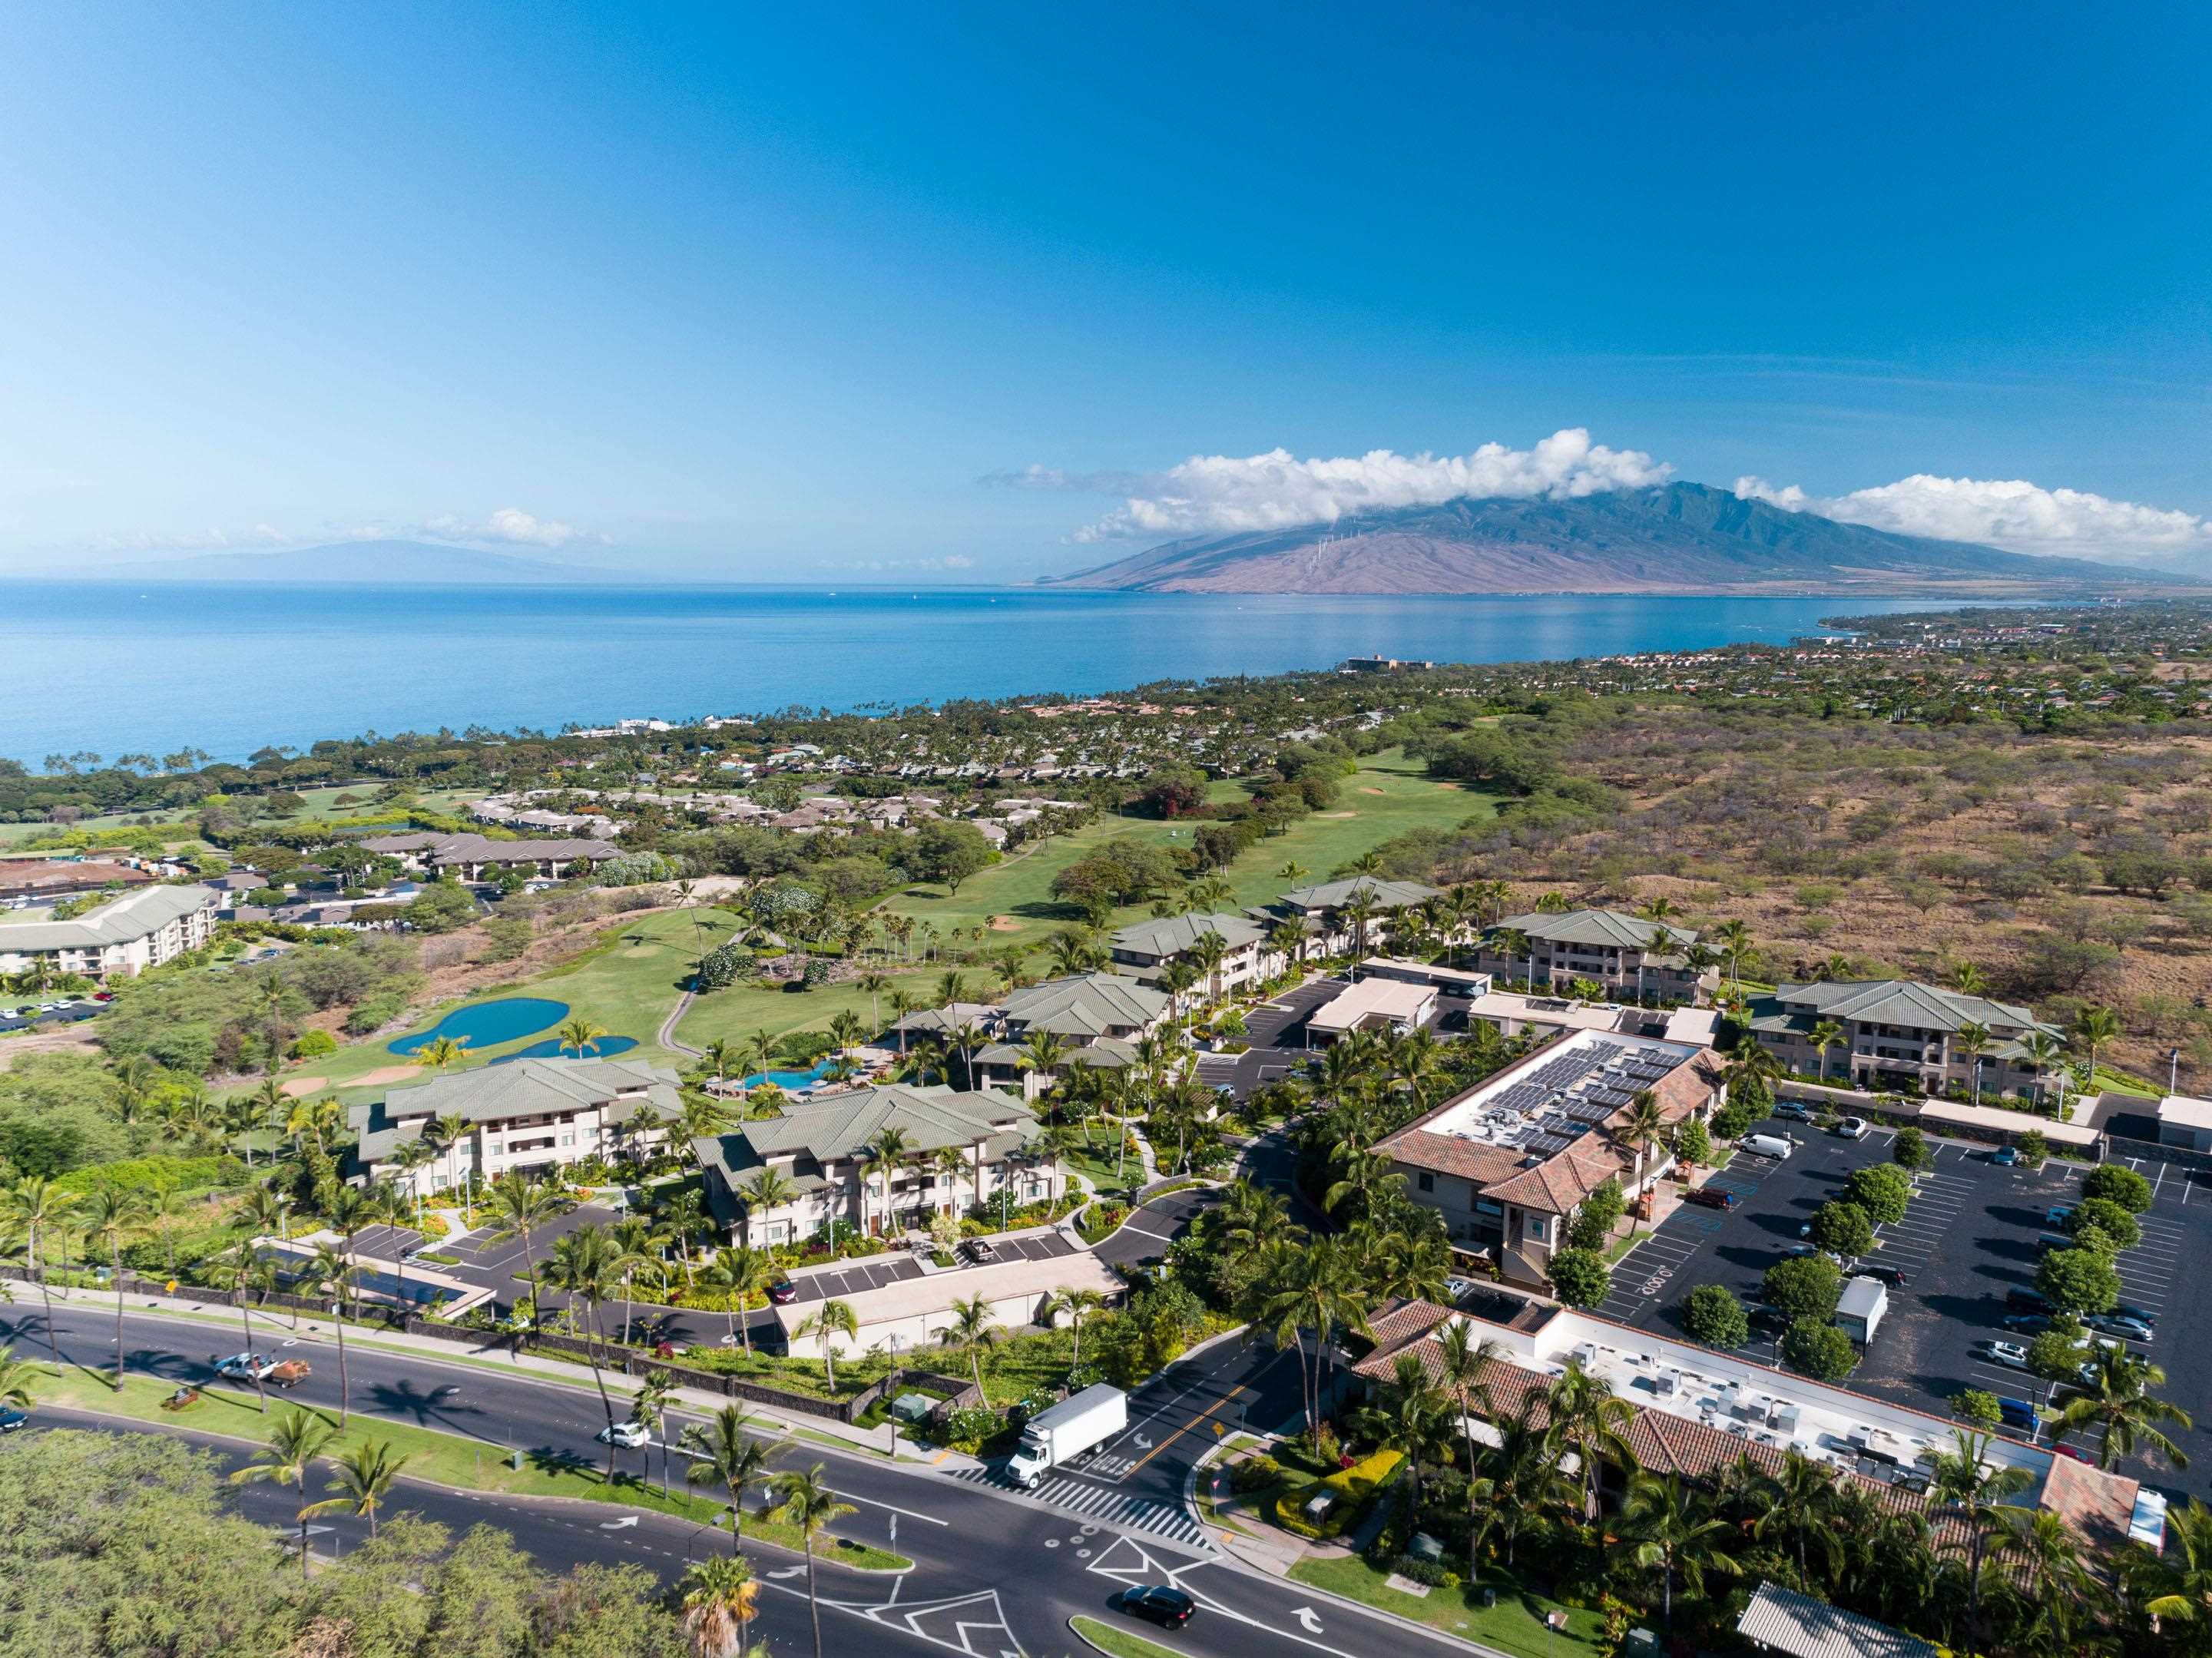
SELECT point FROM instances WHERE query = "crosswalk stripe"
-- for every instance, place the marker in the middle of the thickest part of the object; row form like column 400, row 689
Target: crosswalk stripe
column 1090, row 1502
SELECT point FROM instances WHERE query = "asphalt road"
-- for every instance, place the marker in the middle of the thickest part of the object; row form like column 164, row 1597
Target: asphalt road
column 996, row 1573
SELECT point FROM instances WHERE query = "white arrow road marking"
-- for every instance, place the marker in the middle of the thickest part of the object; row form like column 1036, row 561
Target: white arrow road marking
column 1143, row 1444
column 623, row 1524
column 789, row 1571
column 1146, row 1568
column 1305, row 1616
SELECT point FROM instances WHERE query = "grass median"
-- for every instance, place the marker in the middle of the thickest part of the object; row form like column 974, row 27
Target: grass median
column 1116, row 1642
column 443, row 1458
column 1515, row 1624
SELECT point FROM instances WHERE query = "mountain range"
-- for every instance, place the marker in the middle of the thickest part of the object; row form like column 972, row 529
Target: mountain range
column 367, row 563
column 1669, row 538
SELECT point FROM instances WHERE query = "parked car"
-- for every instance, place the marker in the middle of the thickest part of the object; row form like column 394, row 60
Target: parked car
column 2005, row 1156
column 1850, row 1128
column 2056, row 1215
column 980, row 1251
column 2026, row 1300
column 2033, row 1323
column 2077, row 1452
column 2113, row 1324
column 11, row 1419
column 1881, row 1274
column 1791, row 1111
column 2018, row 1413
column 783, row 1294
column 2128, row 1309
column 2010, row 1354
column 627, row 1435
column 1710, row 1197
column 1171, row 1608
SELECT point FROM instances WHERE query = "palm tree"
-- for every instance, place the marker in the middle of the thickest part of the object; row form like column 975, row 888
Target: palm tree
column 1641, row 1127
column 718, row 1597
column 2176, row 1585
column 648, row 1408
column 1584, row 1414
column 1075, row 1306
column 1360, row 910
column 1676, row 1532
column 330, row 1271
column 1972, row 1489
column 109, row 1212
column 1511, row 941
column 445, row 1133
column 33, row 1204
column 1799, row 1502
column 585, row 1264
column 760, row 1054
column 845, row 1030
column 727, row 1452
column 243, row 1277
column 891, row 1149
column 522, row 1206
column 363, row 1477
column 1972, row 1040
column 2043, row 1052
column 1466, row 1359
column 442, row 1053
column 1519, row 1478
column 578, row 1033
column 903, row 1003
column 719, row 1055
column 970, row 1332
column 15, row 1383
column 811, row 1505
column 295, row 1440
column 1043, row 1054
column 832, row 1318
column 2050, row 1584
column 1299, row 1288
column 1825, row 1034
column 1207, row 952
column 1411, row 1417
column 770, row 1189
column 1733, row 939
column 1968, row 980
column 742, row 1273
column 2095, row 1028
column 2115, row 1399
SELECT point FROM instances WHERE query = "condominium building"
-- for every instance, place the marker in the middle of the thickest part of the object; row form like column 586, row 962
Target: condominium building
column 120, row 939
column 1147, row 947
column 963, row 1149
column 1508, row 1162
column 519, row 1117
column 1623, row 955
column 1330, row 912
column 1097, row 1018
column 1900, row 1033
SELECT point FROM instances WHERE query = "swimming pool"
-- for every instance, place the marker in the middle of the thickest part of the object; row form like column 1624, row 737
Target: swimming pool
column 605, row 1048
column 789, row 1081
column 488, row 1023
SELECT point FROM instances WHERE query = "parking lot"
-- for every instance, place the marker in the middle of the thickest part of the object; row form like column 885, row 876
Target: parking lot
column 1969, row 1236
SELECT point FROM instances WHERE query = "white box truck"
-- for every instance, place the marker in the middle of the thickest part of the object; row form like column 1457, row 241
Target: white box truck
column 1077, row 1423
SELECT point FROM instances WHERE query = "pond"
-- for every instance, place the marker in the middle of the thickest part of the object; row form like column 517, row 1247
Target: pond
column 605, row 1048
column 487, row 1025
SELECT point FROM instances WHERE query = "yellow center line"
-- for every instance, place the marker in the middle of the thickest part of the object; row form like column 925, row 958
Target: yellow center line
column 1187, row 1427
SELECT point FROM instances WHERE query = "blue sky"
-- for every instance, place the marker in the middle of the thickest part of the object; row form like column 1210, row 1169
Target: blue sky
column 773, row 295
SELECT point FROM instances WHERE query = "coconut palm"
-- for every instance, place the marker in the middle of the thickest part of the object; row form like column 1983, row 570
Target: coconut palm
column 108, row 1213
column 1972, row 1040
column 890, row 1151
column 971, row 1331
column 295, row 1440
column 742, row 1273
column 330, row 1271
column 1044, row 1053
column 1968, row 980
column 810, row 1504
column 1798, row 1502
column 363, row 1477
column 2043, row 1052
column 727, row 1450
column 1974, row 1490
column 1466, row 1359
column 648, row 1408
column 522, row 1206
column 768, row 1191
column 1586, row 1415
column 1516, row 1479
column 587, row 1265
column 760, row 1050
column 1825, row 1034
column 2176, row 1586
column 1732, row 939
column 2115, row 1399
column 446, row 1134
column 718, row 1597
column 845, row 1030
column 248, row 1277
column 1075, row 1306
column 1412, row 1416
column 2096, row 1028
column 2049, row 1584
column 1511, row 942
column 718, row 1056
column 1677, row 1532
column 1640, row 1127
column 442, row 1053
column 579, row 1033
column 33, row 1204
column 832, row 1318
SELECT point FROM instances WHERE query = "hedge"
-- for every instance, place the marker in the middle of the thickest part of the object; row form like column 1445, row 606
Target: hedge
column 155, row 1174
column 1352, row 1486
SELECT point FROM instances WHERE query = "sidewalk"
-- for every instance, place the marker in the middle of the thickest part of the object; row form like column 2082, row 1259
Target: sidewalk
column 560, row 1371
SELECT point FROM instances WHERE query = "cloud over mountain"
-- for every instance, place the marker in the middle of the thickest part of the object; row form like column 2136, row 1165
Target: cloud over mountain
column 2012, row 514
column 1276, row 490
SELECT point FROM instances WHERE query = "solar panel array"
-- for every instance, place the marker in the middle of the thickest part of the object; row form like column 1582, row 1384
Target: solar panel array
column 1545, row 1111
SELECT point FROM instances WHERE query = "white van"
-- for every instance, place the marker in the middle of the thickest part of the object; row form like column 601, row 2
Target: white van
column 1767, row 1145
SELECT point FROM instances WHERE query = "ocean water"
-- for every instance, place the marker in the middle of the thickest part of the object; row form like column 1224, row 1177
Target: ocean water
column 155, row 667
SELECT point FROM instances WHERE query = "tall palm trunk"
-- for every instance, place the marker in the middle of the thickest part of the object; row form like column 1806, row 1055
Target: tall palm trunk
column 115, row 1266
column 813, row 1605
column 246, row 1323
column 46, row 1289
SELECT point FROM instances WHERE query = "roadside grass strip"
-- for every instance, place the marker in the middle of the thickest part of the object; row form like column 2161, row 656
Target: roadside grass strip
column 1515, row 1624
column 1116, row 1642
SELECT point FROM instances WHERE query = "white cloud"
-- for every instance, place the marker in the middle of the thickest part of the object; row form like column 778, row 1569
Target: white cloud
column 509, row 524
column 2012, row 514
column 1277, row 491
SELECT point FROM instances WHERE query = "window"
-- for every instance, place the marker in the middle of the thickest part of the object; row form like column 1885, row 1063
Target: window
column 1536, row 1227
column 1426, row 1182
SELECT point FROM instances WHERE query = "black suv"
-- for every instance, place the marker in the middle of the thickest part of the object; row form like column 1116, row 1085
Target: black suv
column 1171, row 1608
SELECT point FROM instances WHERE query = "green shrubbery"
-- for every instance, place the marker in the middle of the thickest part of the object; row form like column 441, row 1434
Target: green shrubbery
column 155, row 1175
column 1351, row 1487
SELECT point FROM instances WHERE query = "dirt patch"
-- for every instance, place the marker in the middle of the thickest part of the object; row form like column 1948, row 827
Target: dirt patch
column 299, row 1087
column 1363, row 789
column 66, row 1039
column 1002, row 923
column 1336, row 814
column 383, row 1076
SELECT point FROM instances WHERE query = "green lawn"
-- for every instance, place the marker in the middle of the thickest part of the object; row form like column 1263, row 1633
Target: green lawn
column 1117, row 1642
column 444, row 1459
column 1389, row 795
column 320, row 803
column 1515, row 1624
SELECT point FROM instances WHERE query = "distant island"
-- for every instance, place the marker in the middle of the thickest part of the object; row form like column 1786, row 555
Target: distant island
column 1673, row 539
column 373, row 563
